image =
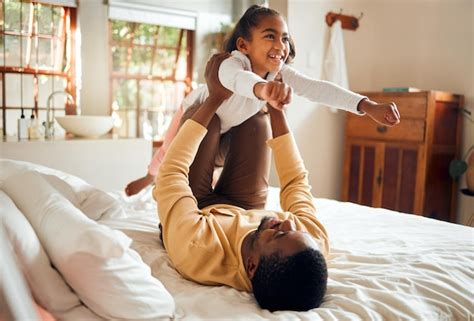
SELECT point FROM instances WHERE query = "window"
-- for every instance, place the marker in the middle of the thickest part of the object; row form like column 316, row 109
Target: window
column 151, row 69
column 37, row 57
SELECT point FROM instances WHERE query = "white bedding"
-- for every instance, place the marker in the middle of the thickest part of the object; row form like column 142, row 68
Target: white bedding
column 383, row 265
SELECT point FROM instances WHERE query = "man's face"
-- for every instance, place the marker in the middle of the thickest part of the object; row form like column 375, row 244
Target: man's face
column 280, row 236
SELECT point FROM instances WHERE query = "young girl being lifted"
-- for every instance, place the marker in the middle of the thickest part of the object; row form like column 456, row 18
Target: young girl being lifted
column 257, row 72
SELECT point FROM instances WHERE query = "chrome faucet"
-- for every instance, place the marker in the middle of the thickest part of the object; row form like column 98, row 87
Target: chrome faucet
column 49, row 124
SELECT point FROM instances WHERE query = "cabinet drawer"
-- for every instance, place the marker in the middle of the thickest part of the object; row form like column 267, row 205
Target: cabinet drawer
column 409, row 106
column 412, row 130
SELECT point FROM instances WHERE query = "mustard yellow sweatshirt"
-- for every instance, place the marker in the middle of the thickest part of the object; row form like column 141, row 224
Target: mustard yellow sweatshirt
column 205, row 245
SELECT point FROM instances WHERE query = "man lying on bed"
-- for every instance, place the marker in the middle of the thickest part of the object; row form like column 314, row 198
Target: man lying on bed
column 223, row 235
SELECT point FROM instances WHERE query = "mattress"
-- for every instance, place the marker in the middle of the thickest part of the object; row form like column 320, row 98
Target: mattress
column 383, row 265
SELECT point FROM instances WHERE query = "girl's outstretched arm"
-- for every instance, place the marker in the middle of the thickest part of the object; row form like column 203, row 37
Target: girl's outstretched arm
column 330, row 94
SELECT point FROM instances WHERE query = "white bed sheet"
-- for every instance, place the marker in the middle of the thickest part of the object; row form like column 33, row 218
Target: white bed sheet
column 383, row 265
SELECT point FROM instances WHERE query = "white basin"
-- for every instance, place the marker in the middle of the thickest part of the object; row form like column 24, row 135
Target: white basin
column 86, row 126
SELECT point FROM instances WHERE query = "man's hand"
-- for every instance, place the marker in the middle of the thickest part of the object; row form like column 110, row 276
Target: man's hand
column 386, row 113
column 217, row 92
column 276, row 93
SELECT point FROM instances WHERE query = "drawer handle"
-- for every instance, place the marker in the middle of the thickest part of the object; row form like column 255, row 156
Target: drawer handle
column 379, row 177
column 382, row 129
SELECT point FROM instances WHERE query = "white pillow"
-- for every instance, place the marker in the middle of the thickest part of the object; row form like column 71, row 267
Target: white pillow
column 46, row 284
column 9, row 167
column 46, row 209
column 93, row 202
column 96, row 204
column 96, row 261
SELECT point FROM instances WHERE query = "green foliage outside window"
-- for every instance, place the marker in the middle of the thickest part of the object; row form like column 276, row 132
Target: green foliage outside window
column 24, row 21
column 149, row 74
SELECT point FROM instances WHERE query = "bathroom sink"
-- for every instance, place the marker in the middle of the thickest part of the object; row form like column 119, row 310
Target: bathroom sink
column 86, row 126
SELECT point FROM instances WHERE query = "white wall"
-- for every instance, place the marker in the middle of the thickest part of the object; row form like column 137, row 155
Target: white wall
column 93, row 19
column 94, row 51
column 427, row 44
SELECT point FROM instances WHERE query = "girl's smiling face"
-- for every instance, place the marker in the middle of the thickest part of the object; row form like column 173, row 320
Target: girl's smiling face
column 268, row 47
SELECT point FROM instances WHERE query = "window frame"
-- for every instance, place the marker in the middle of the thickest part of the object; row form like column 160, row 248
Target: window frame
column 68, row 38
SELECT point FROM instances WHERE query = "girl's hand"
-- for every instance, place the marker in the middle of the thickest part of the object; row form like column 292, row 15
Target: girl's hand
column 276, row 93
column 216, row 90
column 385, row 113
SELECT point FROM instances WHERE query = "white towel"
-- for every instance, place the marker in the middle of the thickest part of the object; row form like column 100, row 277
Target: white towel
column 334, row 69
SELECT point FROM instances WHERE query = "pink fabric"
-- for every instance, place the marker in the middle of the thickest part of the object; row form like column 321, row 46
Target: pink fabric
column 170, row 133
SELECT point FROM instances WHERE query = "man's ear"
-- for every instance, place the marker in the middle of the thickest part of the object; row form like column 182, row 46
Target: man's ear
column 242, row 45
column 252, row 264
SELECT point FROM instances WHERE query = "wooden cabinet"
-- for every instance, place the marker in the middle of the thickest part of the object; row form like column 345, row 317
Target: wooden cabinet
column 405, row 168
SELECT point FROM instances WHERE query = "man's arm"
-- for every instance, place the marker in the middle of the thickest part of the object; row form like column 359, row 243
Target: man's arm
column 278, row 122
column 177, row 207
column 295, row 194
column 217, row 93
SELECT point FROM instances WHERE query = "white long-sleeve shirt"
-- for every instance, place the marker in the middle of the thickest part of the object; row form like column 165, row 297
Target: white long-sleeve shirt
column 235, row 74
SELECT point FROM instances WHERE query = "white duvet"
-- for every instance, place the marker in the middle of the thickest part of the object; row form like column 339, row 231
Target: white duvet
column 383, row 265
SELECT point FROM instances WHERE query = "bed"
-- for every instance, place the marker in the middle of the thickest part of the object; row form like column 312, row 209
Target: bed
column 383, row 265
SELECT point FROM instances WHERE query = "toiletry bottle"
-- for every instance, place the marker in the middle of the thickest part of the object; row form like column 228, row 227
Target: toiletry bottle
column 22, row 126
column 33, row 128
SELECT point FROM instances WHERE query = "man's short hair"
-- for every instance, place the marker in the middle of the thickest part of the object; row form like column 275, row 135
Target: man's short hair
column 296, row 282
